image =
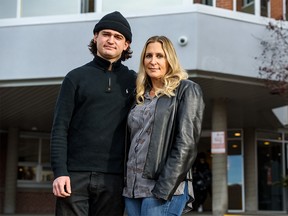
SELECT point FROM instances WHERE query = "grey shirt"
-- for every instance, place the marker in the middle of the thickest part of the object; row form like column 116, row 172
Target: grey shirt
column 140, row 122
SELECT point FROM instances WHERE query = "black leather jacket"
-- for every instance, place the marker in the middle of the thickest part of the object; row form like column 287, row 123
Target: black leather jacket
column 176, row 131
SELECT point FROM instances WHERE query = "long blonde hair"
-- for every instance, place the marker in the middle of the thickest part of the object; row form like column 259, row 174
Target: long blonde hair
column 171, row 79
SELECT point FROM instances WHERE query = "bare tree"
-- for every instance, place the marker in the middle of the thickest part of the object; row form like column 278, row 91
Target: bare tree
column 274, row 58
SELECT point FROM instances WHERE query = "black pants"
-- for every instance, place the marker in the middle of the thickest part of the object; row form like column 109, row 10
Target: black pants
column 93, row 194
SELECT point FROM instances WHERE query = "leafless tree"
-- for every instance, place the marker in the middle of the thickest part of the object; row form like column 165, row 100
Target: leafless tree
column 274, row 58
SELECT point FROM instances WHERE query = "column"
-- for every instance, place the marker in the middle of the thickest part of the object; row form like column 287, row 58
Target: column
column 219, row 162
column 250, row 171
column 11, row 171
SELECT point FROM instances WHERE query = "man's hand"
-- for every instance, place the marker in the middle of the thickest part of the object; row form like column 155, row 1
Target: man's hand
column 62, row 186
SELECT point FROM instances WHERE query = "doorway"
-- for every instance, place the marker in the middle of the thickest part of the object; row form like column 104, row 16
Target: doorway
column 270, row 171
column 235, row 172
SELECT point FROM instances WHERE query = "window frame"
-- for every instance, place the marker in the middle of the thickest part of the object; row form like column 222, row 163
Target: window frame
column 38, row 166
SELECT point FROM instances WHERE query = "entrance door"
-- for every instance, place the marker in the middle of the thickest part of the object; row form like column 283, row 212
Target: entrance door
column 270, row 171
column 286, row 175
column 235, row 172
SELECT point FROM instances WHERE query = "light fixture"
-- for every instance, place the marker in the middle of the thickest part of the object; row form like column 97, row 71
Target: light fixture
column 237, row 134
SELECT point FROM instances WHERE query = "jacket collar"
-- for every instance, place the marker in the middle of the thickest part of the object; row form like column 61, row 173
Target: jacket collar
column 104, row 64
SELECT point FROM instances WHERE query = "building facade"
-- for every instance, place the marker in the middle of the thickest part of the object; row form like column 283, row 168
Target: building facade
column 218, row 43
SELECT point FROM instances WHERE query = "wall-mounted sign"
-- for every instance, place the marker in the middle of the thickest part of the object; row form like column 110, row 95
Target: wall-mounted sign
column 218, row 142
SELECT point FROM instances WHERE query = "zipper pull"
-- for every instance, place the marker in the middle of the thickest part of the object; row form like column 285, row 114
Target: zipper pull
column 109, row 85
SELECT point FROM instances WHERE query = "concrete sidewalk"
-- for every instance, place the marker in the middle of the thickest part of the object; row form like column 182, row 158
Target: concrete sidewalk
column 187, row 214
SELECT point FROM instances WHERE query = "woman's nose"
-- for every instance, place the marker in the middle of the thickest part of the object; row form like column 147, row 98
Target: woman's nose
column 153, row 61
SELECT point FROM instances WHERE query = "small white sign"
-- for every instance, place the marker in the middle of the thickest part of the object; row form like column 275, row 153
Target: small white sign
column 218, row 142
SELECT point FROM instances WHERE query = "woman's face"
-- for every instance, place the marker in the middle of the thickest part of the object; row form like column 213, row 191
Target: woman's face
column 155, row 62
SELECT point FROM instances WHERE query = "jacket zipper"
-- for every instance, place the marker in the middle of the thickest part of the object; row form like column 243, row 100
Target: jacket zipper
column 109, row 86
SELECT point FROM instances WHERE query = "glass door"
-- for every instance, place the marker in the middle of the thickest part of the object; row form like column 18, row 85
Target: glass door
column 270, row 171
column 235, row 171
column 286, row 174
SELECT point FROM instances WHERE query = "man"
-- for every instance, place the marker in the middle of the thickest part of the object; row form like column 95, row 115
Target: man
column 87, row 138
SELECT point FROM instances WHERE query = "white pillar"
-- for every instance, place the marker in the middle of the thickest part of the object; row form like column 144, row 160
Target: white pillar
column 257, row 5
column 250, row 171
column 98, row 6
column 219, row 162
column 11, row 171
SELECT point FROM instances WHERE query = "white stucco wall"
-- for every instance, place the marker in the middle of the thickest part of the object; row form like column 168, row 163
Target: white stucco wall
column 216, row 43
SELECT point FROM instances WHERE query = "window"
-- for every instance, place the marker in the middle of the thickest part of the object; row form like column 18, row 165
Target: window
column 8, row 9
column 132, row 5
column 205, row 2
column 286, row 12
column 235, row 175
column 270, row 170
column 246, row 2
column 265, row 8
column 246, row 6
column 30, row 8
column 34, row 160
column 88, row 6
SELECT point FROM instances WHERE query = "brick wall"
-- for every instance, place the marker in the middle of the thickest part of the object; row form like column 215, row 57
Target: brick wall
column 35, row 202
column 276, row 6
column 29, row 201
column 226, row 4
column 239, row 5
column 277, row 9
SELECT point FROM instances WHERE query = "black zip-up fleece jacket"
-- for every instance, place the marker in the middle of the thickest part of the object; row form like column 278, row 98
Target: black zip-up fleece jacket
column 88, row 131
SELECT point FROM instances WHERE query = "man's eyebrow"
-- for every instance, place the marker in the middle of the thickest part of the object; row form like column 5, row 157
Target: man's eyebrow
column 117, row 34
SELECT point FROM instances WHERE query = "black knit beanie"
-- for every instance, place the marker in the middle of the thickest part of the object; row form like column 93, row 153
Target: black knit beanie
column 116, row 22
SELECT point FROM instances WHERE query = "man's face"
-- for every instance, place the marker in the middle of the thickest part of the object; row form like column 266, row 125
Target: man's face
column 110, row 44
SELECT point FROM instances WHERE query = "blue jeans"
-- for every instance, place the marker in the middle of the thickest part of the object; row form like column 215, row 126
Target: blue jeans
column 157, row 207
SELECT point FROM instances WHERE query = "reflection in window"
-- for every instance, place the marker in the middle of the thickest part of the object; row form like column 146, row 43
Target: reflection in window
column 286, row 136
column 88, row 6
column 246, row 6
column 231, row 134
column 31, row 8
column 269, row 135
column 132, row 5
column 286, row 10
column 34, row 159
column 205, row 2
column 247, row 2
column 26, row 173
column 235, row 170
column 264, row 8
column 8, row 8
column 269, row 171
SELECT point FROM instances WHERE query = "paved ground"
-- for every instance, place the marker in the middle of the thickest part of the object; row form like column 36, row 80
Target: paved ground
column 188, row 214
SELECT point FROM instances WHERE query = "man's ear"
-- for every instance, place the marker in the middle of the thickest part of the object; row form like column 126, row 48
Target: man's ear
column 95, row 37
column 127, row 44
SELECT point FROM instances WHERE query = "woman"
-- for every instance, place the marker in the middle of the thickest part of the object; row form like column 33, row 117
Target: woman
column 164, row 126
